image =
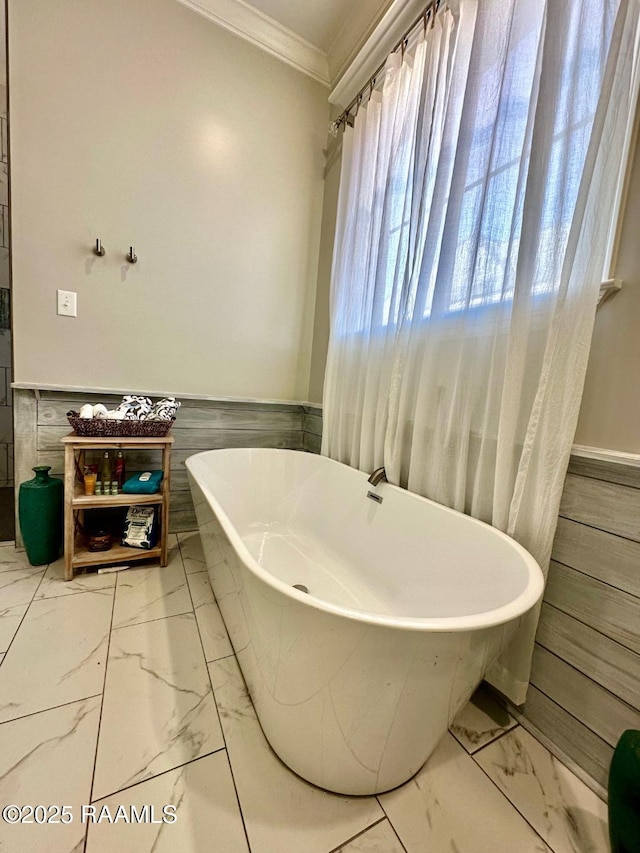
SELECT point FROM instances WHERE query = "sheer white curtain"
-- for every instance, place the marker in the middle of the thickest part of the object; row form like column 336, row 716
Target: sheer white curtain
column 475, row 210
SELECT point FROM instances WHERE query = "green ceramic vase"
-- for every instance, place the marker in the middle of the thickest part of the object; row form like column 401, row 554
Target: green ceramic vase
column 624, row 794
column 40, row 511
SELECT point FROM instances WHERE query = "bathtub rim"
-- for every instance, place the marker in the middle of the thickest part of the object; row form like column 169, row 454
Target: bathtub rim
column 516, row 608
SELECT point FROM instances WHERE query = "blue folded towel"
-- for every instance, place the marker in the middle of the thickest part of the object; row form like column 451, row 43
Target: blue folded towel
column 145, row 483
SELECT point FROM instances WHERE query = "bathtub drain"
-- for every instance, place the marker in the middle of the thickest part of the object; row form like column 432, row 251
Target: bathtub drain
column 301, row 587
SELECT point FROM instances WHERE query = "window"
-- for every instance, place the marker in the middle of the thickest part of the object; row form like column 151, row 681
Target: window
column 452, row 211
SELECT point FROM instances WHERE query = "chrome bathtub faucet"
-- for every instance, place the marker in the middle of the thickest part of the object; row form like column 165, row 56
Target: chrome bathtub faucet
column 378, row 475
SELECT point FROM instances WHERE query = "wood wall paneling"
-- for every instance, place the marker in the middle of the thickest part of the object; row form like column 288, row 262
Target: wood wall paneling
column 613, row 613
column 25, row 444
column 41, row 421
column 601, row 711
column 602, row 555
column 607, row 662
column 598, row 469
column 586, row 668
column 569, row 736
column 607, row 506
column 312, row 429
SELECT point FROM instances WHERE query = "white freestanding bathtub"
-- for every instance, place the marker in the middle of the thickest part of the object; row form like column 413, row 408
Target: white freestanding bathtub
column 355, row 681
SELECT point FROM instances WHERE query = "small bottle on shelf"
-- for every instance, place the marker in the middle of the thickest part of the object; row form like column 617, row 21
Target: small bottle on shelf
column 118, row 474
column 89, row 480
column 105, row 471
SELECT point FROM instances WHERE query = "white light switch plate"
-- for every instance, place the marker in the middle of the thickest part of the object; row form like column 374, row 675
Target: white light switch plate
column 67, row 303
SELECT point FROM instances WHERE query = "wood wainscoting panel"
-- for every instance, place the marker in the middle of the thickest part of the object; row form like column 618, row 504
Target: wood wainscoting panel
column 601, row 711
column 569, row 736
column 200, row 425
column 609, row 663
column 586, row 667
column 614, row 613
column 607, row 506
column 602, row 555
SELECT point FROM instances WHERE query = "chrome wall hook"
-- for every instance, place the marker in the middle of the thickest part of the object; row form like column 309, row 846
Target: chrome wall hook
column 132, row 257
column 99, row 249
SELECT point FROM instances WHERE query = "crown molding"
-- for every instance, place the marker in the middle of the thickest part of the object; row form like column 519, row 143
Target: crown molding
column 264, row 32
column 393, row 25
column 358, row 25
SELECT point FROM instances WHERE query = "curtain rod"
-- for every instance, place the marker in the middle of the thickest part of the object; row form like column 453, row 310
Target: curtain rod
column 429, row 13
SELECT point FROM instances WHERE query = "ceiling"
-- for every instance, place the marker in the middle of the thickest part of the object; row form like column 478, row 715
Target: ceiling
column 321, row 21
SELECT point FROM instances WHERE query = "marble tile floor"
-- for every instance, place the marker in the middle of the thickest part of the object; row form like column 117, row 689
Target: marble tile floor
column 120, row 695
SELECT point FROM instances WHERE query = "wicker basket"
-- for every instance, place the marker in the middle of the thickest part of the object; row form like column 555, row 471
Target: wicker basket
column 108, row 428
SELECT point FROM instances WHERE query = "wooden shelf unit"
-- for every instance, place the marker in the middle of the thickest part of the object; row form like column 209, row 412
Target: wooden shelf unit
column 76, row 554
